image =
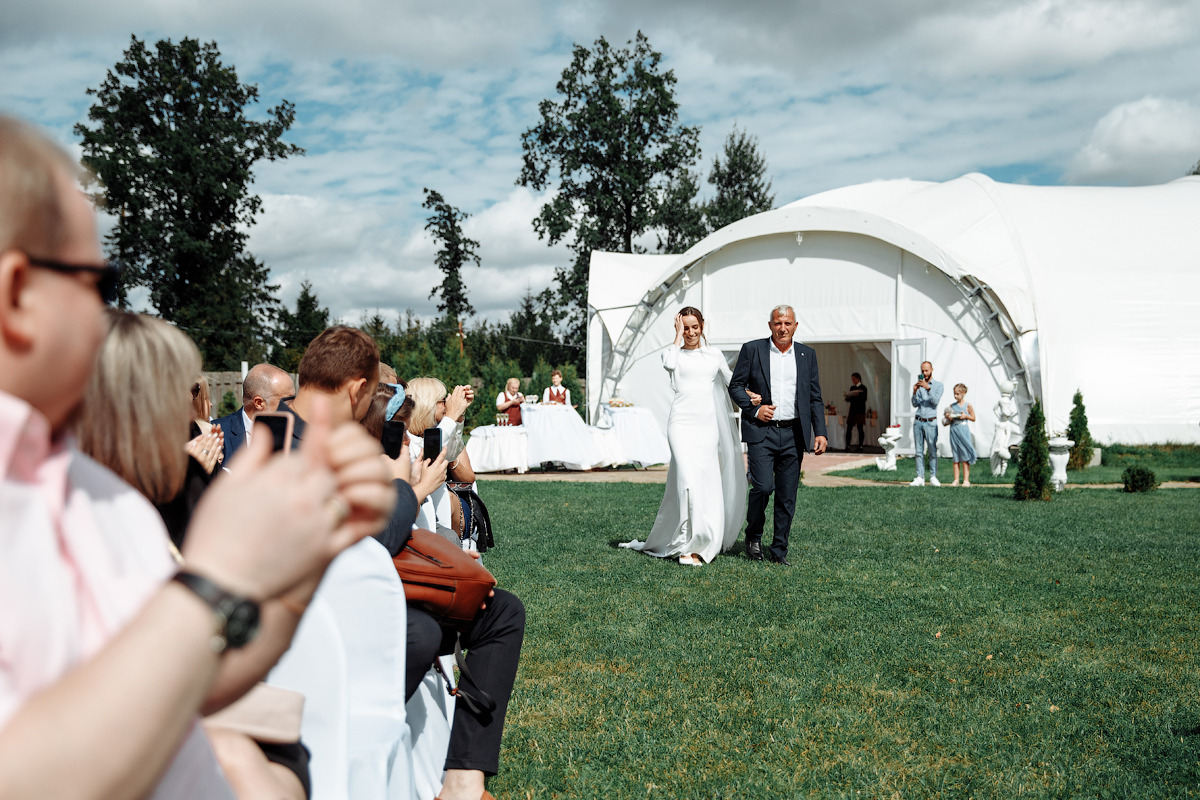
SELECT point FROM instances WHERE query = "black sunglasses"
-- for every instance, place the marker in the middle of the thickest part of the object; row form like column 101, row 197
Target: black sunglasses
column 110, row 275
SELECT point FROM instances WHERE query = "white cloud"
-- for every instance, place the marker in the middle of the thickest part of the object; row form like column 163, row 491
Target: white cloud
column 393, row 96
column 1151, row 140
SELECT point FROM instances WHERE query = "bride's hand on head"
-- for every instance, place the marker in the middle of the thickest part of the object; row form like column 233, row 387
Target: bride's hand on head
column 679, row 329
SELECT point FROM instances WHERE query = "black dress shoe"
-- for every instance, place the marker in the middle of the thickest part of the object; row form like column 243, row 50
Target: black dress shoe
column 754, row 550
column 782, row 561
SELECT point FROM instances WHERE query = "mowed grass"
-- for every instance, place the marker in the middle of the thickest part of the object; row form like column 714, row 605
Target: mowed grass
column 1066, row 664
column 1180, row 462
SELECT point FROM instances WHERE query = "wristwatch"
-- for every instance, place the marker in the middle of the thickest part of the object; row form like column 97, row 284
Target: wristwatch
column 235, row 618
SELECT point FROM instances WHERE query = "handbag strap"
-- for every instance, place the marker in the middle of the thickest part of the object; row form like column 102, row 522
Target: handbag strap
column 478, row 701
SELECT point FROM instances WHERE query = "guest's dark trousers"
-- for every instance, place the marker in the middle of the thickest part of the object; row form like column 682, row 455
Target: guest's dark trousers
column 493, row 646
column 862, row 435
column 774, row 467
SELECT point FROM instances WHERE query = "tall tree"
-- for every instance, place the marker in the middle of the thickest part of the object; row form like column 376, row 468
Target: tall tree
column 742, row 187
column 610, row 145
column 680, row 217
column 296, row 329
column 455, row 250
column 173, row 151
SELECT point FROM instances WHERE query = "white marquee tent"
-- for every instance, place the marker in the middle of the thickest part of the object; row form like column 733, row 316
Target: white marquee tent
column 1055, row 288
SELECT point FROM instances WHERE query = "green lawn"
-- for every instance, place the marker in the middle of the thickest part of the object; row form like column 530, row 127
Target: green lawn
column 1169, row 462
column 1066, row 664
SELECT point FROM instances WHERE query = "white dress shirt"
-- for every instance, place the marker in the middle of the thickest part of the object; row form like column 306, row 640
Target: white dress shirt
column 783, row 382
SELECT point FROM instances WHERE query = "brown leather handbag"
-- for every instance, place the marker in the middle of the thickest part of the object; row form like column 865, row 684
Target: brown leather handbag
column 441, row 578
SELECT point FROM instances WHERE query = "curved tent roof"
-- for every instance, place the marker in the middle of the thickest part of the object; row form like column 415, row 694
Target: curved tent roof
column 1103, row 283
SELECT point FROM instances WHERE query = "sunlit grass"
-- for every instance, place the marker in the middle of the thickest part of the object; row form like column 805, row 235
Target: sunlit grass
column 1066, row 664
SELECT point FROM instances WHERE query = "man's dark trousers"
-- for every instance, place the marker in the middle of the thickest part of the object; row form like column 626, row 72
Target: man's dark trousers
column 774, row 467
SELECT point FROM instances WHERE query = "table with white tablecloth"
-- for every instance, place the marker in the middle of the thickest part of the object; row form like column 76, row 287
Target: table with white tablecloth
column 497, row 448
column 556, row 434
column 637, row 434
column 835, row 428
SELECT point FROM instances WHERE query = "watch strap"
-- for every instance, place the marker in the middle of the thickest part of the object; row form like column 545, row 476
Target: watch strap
column 223, row 604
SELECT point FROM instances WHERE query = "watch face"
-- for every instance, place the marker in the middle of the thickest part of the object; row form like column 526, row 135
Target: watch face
column 241, row 624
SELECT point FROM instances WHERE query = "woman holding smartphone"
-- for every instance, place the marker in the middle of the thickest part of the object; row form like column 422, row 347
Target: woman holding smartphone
column 435, row 425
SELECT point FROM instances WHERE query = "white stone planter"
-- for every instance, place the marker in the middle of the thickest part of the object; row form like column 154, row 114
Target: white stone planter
column 888, row 441
column 1060, row 453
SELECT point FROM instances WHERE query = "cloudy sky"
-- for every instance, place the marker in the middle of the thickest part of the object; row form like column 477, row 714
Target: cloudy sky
column 395, row 95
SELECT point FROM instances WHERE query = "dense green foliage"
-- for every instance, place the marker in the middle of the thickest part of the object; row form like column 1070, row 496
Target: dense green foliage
column 229, row 404
column 1139, row 479
column 297, row 328
column 490, row 355
column 173, row 151
column 611, row 146
column 1066, row 664
column 1033, row 462
column 1077, row 431
column 742, row 186
column 455, row 250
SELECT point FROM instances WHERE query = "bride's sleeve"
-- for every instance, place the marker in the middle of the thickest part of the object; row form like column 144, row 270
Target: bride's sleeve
column 726, row 374
column 670, row 358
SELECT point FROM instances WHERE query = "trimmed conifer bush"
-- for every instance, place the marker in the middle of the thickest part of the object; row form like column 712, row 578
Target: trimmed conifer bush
column 1077, row 431
column 1139, row 479
column 1033, row 466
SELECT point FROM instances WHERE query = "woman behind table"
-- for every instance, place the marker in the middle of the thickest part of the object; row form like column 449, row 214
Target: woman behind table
column 142, row 443
column 509, row 401
column 962, row 449
column 556, row 393
column 702, row 508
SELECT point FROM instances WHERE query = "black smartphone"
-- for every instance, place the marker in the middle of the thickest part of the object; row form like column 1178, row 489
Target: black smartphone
column 393, row 437
column 433, row 442
column 281, row 424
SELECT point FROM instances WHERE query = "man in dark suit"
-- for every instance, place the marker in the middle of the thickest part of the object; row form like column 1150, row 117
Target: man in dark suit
column 776, row 385
column 262, row 389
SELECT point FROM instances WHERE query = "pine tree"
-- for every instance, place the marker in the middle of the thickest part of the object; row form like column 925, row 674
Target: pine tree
column 455, row 251
column 741, row 182
column 297, row 329
column 1077, row 431
column 1033, row 468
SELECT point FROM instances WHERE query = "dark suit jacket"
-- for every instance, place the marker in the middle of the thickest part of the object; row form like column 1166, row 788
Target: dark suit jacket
column 235, row 434
column 753, row 372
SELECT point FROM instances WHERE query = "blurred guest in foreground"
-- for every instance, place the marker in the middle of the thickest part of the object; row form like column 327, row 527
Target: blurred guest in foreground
column 99, row 633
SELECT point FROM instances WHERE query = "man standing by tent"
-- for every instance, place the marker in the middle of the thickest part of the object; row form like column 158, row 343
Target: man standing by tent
column 780, row 429
column 926, row 394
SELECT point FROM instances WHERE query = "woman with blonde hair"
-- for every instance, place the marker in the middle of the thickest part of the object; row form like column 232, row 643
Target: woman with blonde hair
column 135, row 417
column 434, row 407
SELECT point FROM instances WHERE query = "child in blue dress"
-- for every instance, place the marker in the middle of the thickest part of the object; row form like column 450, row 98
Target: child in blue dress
column 962, row 449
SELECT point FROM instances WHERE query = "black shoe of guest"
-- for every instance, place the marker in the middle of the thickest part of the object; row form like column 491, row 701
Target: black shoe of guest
column 754, row 550
column 782, row 560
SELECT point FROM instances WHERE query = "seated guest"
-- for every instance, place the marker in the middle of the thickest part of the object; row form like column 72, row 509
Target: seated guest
column 96, row 635
column 391, row 404
column 433, row 407
column 555, row 393
column 147, row 359
column 201, row 404
column 264, row 386
column 509, row 401
column 337, row 367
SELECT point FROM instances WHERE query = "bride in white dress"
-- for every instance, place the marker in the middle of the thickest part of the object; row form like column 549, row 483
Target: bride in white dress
column 705, row 500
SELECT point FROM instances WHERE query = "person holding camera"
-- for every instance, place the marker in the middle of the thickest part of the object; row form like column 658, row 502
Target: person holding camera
column 927, row 393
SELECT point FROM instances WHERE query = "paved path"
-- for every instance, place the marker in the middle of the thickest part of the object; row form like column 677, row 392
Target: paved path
column 816, row 469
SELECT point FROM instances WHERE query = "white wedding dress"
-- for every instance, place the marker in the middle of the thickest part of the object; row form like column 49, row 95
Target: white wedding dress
column 705, row 500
